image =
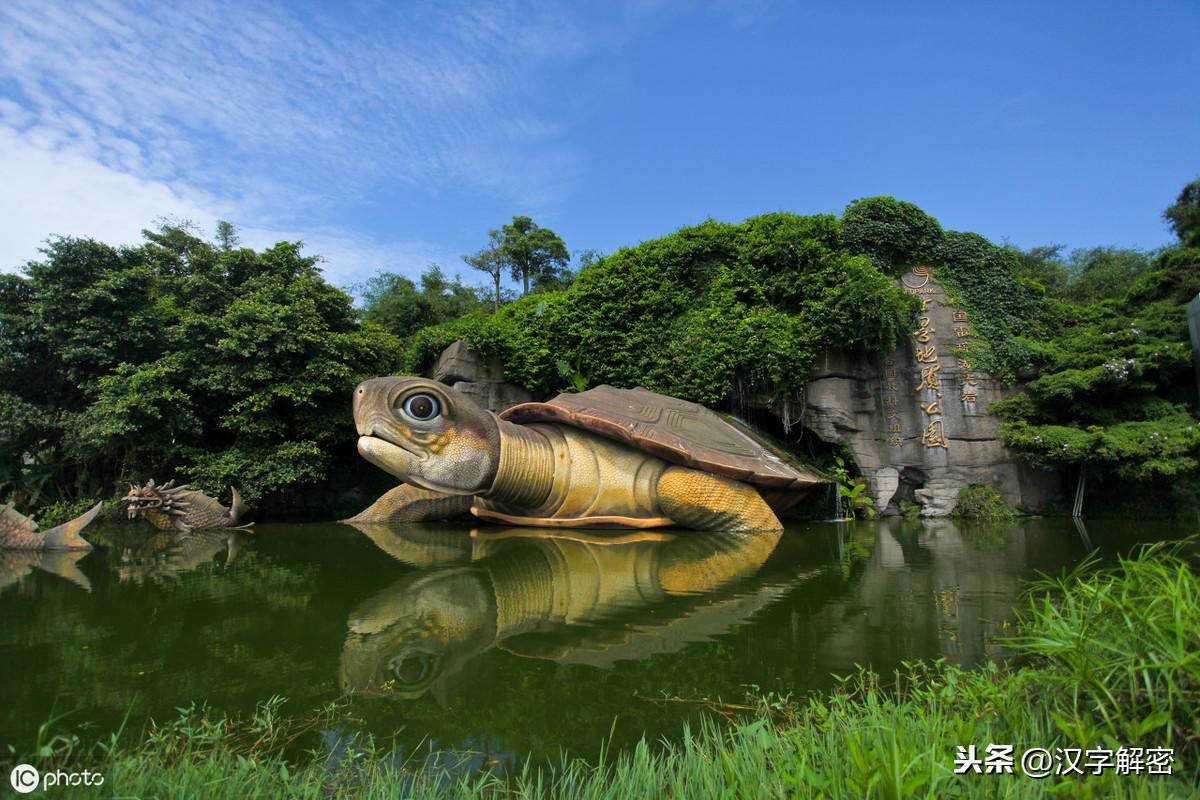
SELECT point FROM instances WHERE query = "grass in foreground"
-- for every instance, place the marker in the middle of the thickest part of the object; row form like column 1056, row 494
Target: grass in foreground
column 1114, row 662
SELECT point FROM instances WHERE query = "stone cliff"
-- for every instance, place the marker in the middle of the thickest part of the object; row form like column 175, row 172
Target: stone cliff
column 916, row 420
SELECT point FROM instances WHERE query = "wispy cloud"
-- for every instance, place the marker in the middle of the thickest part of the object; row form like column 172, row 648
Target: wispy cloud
column 273, row 115
column 59, row 191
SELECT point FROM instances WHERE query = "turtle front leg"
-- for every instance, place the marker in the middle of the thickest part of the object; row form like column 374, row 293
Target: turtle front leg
column 707, row 502
column 408, row 503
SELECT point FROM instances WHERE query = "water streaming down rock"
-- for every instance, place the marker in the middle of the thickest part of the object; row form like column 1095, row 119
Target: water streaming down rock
column 839, row 513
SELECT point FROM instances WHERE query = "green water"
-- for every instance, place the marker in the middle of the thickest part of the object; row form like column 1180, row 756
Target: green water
column 507, row 644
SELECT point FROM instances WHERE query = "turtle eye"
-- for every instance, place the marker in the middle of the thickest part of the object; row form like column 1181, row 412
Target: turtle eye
column 412, row 669
column 422, row 407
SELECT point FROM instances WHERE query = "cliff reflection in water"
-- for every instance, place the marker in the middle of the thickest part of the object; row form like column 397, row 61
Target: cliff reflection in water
column 569, row 597
column 938, row 588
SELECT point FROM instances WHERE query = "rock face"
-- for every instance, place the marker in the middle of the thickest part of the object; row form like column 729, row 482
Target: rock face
column 464, row 369
column 916, row 420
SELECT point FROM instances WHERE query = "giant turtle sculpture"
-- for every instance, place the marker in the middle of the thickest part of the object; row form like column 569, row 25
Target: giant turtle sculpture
column 606, row 457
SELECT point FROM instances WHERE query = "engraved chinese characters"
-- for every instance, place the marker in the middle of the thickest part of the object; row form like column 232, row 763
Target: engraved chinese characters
column 941, row 368
column 929, row 386
column 963, row 347
column 891, row 403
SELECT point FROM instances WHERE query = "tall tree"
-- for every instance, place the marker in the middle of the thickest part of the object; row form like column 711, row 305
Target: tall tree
column 1184, row 215
column 535, row 255
column 490, row 259
column 227, row 236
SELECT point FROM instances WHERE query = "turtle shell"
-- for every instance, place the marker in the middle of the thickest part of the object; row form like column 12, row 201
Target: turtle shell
column 677, row 431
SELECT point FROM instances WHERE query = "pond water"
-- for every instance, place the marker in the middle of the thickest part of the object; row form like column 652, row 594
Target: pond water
column 504, row 643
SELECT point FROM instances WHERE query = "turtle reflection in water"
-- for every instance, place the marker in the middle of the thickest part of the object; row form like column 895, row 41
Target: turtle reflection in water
column 573, row 597
column 606, row 457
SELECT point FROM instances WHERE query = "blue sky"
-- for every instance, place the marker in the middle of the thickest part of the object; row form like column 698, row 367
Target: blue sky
column 390, row 135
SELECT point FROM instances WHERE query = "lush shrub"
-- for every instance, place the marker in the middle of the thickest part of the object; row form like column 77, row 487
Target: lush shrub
column 982, row 502
column 711, row 313
column 895, row 234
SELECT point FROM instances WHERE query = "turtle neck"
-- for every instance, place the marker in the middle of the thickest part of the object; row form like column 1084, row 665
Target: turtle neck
column 526, row 470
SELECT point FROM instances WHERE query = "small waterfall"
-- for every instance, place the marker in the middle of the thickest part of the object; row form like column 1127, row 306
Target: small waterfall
column 839, row 514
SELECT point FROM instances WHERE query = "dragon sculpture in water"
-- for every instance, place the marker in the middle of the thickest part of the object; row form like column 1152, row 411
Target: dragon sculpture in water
column 181, row 508
column 19, row 532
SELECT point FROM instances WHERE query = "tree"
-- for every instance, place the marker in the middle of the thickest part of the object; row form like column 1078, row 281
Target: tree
column 536, row 256
column 396, row 304
column 1184, row 215
column 491, row 260
column 178, row 358
column 227, row 237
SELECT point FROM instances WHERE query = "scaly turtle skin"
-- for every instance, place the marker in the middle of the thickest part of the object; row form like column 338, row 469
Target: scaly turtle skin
column 19, row 532
column 182, row 509
column 602, row 458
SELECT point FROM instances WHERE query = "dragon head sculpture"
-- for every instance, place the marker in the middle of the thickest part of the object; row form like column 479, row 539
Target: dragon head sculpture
column 166, row 499
column 180, row 508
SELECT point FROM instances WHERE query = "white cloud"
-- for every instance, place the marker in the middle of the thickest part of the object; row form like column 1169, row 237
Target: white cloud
column 115, row 113
column 223, row 93
column 51, row 188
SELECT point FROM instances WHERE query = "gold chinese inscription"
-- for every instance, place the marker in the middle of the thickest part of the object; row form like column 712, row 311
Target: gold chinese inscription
column 924, row 333
column 890, row 401
column 929, row 378
column 962, row 346
column 929, row 387
column 935, row 435
column 919, row 273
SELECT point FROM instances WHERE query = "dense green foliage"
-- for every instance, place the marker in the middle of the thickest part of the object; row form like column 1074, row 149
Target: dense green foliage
column 1113, row 660
column 176, row 359
column 715, row 313
column 982, row 502
column 396, row 304
column 895, row 234
column 1114, row 388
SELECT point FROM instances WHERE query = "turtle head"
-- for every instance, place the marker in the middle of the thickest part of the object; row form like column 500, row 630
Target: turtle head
column 427, row 434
